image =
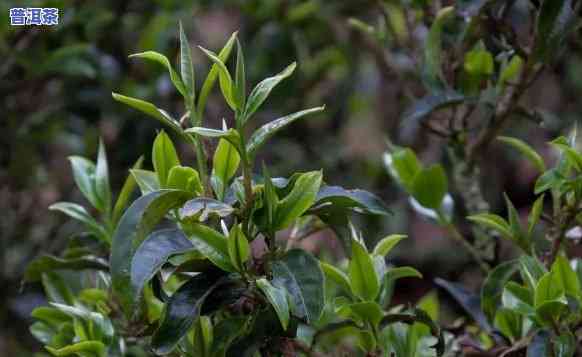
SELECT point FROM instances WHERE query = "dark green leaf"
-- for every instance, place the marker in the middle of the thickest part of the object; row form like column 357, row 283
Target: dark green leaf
column 432, row 71
column 153, row 252
column 137, row 222
column 79, row 213
column 429, row 104
column 48, row 263
column 300, row 274
column 360, row 201
column 200, row 209
column 556, row 20
column 492, row 288
column 211, row 244
column 238, row 248
column 184, row 306
column 540, row 345
column 468, row 300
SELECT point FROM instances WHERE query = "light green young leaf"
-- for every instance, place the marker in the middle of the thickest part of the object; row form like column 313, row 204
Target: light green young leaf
column 278, row 299
column 363, row 278
column 384, row 246
column 526, row 150
column 203, row 336
column 224, row 78
column 549, row 288
column 84, row 175
column 146, row 180
column 240, row 77
column 212, row 75
column 518, row 298
column 534, row 216
column 402, row 272
column 102, row 187
column 187, row 70
column 479, row 62
column 567, row 277
column 184, row 178
column 298, row 201
column 151, row 110
column 517, row 232
column 403, row 165
column 262, row 90
column 265, row 132
column 164, row 157
column 337, row 276
column 84, row 349
column 238, row 248
column 432, row 71
column 163, row 60
column 225, row 164
column 126, row 191
column 492, row 221
column 511, row 70
column 492, row 288
column 231, row 135
column 430, row 186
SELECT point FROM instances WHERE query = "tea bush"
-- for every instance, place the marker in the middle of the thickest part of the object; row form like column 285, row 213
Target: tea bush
column 206, row 261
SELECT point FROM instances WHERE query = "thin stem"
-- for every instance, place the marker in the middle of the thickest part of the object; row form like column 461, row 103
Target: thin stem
column 247, row 171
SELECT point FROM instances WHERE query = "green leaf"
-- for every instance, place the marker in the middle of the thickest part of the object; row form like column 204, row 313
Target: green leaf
column 84, row 175
column 531, row 270
column 46, row 263
column 368, row 311
column 517, row 233
column 402, row 272
column 298, row 201
column 526, row 150
column 337, row 276
column 432, row 71
column 226, row 161
column 163, row 60
column 200, row 209
column 278, row 299
column 518, row 298
column 187, row 70
column 534, row 216
column 202, row 337
column 555, row 21
column 363, row 278
column 212, row 75
column 262, row 90
column 182, row 309
column 403, row 166
column 494, row 222
column 82, row 349
column 164, row 157
column 511, row 70
column 151, row 110
column 225, row 332
column 565, row 345
column 137, row 222
column 568, row 278
column 153, row 252
column 56, row 289
column 430, row 186
column 101, row 328
column 102, row 187
column 50, row 316
column 264, row 133
column 492, row 288
column 550, row 312
column 548, row 288
column 548, row 180
column 300, row 274
column 238, row 248
column 79, row 213
column 224, row 78
column 359, row 201
column 184, row 178
column 146, row 180
column 479, row 62
column 573, row 157
column 384, row 246
column 509, row 323
column 231, row 135
column 125, row 194
column 211, row 244
column 240, row 77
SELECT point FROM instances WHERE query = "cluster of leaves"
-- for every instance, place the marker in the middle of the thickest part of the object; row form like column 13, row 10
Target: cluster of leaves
column 194, row 265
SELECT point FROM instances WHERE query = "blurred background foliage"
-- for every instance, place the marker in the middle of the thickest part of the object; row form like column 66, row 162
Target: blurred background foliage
column 55, row 101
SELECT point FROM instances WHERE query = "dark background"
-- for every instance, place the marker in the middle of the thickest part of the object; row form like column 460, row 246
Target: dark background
column 55, row 101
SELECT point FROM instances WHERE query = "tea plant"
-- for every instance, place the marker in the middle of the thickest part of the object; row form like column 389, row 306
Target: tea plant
column 196, row 266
